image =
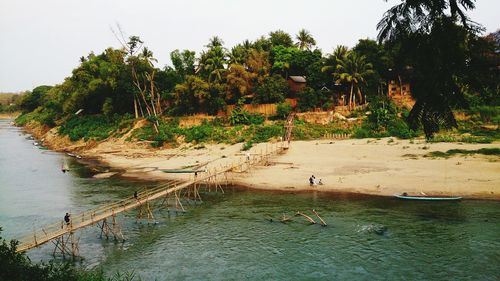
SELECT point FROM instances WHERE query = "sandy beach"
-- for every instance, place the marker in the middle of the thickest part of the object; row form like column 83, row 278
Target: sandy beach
column 368, row 166
column 381, row 167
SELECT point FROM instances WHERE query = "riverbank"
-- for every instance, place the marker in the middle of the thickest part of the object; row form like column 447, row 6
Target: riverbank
column 9, row 115
column 366, row 166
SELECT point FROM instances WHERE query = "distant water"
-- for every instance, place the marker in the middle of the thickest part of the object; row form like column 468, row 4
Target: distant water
column 229, row 236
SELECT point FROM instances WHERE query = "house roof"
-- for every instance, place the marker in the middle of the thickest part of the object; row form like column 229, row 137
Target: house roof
column 298, row 79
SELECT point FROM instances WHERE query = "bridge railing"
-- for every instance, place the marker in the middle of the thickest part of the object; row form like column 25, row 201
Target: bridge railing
column 60, row 227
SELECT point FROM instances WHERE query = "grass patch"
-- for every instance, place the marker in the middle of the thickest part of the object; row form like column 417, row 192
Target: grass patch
column 462, row 138
column 453, row 152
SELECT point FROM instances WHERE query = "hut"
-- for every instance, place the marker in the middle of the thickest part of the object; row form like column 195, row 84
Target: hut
column 296, row 83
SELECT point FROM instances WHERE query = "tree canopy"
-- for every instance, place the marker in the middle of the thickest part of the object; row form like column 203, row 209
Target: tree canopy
column 433, row 43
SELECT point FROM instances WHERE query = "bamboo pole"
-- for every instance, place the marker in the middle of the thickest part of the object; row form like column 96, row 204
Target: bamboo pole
column 306, row 216
column 323, row 223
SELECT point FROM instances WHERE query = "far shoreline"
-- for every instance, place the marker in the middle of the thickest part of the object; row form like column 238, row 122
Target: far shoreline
column 373, row 167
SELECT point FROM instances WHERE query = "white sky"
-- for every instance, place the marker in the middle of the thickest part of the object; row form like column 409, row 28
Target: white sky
column 42, row 41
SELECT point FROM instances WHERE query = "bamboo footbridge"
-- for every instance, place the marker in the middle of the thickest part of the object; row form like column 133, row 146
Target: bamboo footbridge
column 62, row 234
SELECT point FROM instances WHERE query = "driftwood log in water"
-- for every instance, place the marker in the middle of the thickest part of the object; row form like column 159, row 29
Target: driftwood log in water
column 306, row 216
column 323, row 222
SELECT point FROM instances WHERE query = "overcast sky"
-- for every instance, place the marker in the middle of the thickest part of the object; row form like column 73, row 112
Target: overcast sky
column 42, row 41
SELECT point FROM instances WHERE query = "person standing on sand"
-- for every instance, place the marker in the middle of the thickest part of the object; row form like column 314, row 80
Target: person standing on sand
column 311, row 180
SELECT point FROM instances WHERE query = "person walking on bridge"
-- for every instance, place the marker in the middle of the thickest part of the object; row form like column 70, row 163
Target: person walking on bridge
column 67, row 219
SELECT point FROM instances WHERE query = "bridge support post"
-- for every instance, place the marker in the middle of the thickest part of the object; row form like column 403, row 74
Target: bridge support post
column 145, row 209
column 178, row 202
column 114, row 229
column 67, row 245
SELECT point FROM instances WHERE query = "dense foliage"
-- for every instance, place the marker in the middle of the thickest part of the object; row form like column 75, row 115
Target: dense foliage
column 9, row 102
column 17, row 267
column 385, row 120
column 434, row 47
column 438, row 47
column 97, row 127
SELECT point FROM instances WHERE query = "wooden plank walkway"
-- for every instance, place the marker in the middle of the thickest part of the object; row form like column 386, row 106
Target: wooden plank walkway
column 91, row 217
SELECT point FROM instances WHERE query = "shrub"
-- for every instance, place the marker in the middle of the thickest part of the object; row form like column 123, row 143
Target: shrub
column 107, row 107
column 265, row 133
column 487, row 113
column 198, row 134
column 399, row 128
column 96, row 127
column 247, row 145
column 283, row 110
column 383, row 111
column 308, row 99
column 361, row 133
column 242, row 117
column 24, row 118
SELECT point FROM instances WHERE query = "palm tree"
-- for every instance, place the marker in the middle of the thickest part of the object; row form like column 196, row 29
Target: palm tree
column 213, row 64
column 331, row 62
column 247, row 44
column 413, row 15
column 353, row 69
column 215, row 41
column 304, row 40
column 424, row 31
column 238, row 55
column 147, row 56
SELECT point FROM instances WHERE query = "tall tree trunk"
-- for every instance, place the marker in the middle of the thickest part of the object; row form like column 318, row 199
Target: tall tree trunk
column 135, row 108
column 361, row 101
column 350, row 96
column 400, row 85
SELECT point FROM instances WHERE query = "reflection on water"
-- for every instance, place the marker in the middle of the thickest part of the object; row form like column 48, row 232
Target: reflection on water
column 229, row 236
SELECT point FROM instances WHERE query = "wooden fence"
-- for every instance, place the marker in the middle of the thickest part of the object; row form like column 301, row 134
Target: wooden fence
column 268, row 109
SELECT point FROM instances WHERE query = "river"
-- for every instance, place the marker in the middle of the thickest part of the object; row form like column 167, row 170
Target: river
column 230, row 237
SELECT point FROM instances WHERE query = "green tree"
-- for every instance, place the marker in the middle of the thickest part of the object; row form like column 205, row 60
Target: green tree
column 377, row 55
column 273, row 90
column 482, row 80
column 17, row 267
column 353, row 70
column 215, row 41
column 213, row 64
column 258, row 64
column 191, row 95
column 332, row 60
column 281, row 58
column 431, row 42
column 305, row 40
column 280, row 38
column 239, row 83
column 262, row 44
column 308, row 99
column 184, row 62
column 31, row 100
column 97, row 78
column 238, row 54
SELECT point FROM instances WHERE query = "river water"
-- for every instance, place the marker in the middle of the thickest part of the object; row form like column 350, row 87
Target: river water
column 230, row 237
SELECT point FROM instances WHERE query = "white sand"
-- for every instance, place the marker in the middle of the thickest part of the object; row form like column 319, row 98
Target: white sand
column 361, row 166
